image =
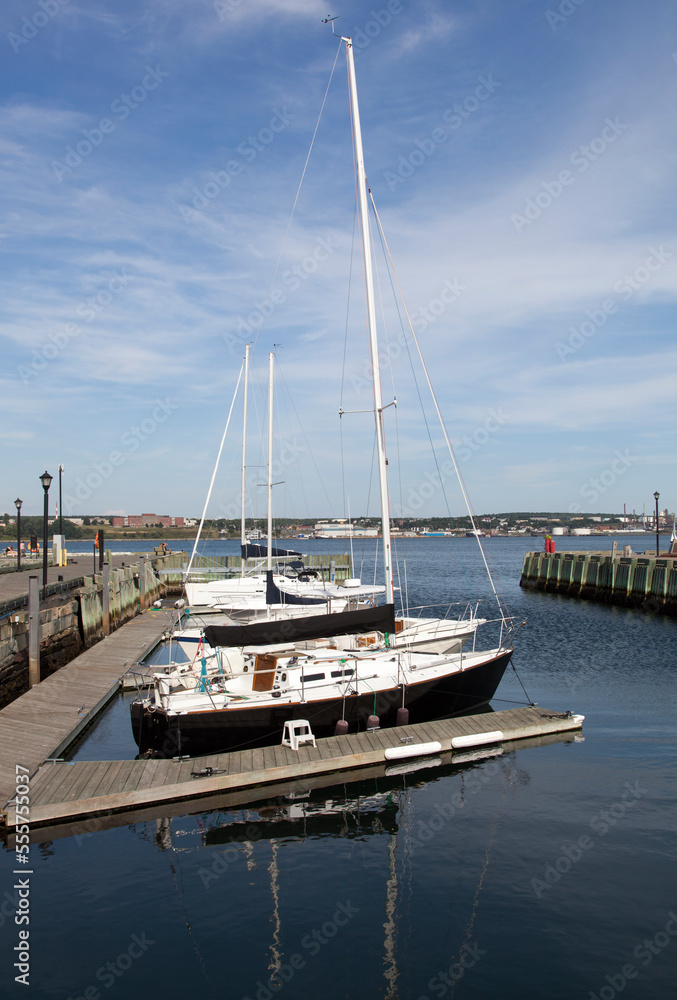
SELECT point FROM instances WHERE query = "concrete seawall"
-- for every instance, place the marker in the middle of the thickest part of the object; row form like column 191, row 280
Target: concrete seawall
column 646, row 582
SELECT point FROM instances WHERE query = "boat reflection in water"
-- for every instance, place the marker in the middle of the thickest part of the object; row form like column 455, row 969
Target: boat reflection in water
column 377, row 810
column 358, row 809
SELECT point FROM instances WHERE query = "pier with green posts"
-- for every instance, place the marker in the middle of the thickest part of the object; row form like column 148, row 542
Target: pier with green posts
column 647, row 582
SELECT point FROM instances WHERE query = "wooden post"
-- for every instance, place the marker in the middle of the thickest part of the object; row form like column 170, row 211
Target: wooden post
column 33, row 631
column 105, row 598
column 142, row 582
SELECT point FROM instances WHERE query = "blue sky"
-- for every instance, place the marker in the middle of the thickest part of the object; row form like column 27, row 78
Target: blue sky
column 522, row 159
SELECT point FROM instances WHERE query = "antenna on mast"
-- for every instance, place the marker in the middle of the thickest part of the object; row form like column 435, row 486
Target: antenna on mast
column 329, row 20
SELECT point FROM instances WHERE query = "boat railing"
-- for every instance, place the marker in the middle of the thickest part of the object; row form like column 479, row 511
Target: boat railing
column 252, row 567
column 469, row 612
column 510, row 626
column 207, row 683
column 142, row 679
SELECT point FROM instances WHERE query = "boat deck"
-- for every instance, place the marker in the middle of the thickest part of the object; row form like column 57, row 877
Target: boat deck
column 71, row 792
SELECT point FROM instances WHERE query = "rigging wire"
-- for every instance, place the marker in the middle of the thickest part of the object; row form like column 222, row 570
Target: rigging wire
column 499, row 600
column 298, row 192
column 216, row 467
column 521, row 685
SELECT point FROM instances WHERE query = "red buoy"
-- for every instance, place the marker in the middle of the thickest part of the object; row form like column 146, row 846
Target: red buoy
column 341, row 728
column 373, row 722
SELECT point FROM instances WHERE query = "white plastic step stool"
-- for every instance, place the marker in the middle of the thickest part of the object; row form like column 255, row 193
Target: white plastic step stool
column 296, row 732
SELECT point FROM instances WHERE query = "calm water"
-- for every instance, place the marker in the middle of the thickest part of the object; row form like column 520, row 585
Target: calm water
column 544, row 870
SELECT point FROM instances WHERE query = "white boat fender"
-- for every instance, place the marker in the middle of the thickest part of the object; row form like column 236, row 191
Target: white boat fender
column 412, row 750
column 476, row 739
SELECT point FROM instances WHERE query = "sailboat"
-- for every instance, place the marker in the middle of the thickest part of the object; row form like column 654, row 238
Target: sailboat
column 273, row 582
column 343, row 672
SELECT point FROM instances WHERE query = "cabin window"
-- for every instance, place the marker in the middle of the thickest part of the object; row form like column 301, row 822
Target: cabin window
column 347, row 672
column 312, row 677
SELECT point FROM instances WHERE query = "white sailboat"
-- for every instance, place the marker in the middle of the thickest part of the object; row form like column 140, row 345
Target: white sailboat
column 342, row 671
column 262, row 590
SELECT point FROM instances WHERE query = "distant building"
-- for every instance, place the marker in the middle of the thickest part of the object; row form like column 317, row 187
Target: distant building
column 148, row 521
column 341, row 529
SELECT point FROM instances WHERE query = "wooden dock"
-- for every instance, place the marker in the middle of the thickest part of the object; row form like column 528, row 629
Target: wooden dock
column 70, row 793
column 41, row 723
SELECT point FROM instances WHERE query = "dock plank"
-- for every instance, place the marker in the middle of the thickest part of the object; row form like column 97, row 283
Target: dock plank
column 77, row 781
column 97, row 775
column 135, row 775
column 462, row 728
column 51, row 776
column 185, row 769
column 165, row 769
column 148, row 774
column 117, row 783
column 443, row 727
column 171, row 775
column 108, row 778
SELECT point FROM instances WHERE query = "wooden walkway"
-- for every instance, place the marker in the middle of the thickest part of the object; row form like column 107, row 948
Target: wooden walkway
column 40, row 724
column 62, row 793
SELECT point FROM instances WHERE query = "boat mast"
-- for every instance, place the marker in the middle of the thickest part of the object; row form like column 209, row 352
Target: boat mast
column 243, row 496
column 362, row 189
column 269, row 559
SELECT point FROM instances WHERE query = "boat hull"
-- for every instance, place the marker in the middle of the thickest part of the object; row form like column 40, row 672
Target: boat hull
column 213, row 731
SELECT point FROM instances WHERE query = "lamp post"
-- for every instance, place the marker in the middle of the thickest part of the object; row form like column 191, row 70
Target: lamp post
column 17, row 504
column 46, row 480
column 656, row 496
column 60, row 503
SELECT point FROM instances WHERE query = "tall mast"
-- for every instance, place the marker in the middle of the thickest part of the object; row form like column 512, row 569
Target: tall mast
column 269, row 560
column 243, row 498
column 362, row 189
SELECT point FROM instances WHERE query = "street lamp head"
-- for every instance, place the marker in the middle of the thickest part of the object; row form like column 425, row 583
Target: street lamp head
column 46, row 480
column 656, row 495
column 18, row 503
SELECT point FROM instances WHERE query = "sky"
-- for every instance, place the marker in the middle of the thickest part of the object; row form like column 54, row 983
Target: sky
column 160, row 210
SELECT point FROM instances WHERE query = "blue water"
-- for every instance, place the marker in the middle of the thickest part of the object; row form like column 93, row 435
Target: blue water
column 544, row 870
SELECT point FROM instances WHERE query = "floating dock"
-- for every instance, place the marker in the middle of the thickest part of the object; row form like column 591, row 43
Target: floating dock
column 41, row 723
column 645, row 582
column 67, row 793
